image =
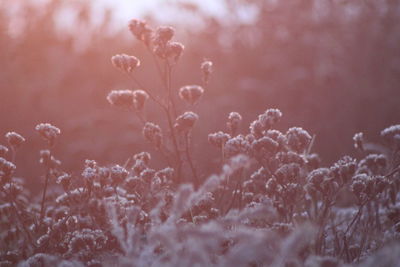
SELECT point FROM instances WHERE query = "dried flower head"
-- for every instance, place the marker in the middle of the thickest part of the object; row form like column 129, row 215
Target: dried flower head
column 6, row 168
column 118, row 174
column 163, row 35
column 152, row 133
column 298, row 139
column 236, row 145
column 125, row 63
column 186, row 121
column 206, row 70
column 389, row 133
column 142, row 156
column 316, row 177
column 234, row 120
column 141, row 31
column 358, row 139
column 218, row 139
column 171, row 50
column 64, row 180
column 121, row 98
column 139, row 98
column 3, row 150
column 264, row 147
column 191, row 93
column 48, row 132
column 265, row 121
column 14, row 139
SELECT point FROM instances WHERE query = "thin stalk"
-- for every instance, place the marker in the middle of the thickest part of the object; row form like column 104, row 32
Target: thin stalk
column 189, row 158
column 44, row 193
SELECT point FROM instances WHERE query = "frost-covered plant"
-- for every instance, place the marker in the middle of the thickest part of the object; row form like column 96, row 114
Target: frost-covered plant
column 271, row 205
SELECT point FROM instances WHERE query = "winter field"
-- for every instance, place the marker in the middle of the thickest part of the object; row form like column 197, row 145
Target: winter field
column 243, row 133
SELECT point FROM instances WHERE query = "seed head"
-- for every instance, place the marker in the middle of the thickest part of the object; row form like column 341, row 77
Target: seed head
column 218, row 139
column 206, row 70
column 3, row 150
column 191, row 93
column 125, row 63
column 118, row 174
column 164, row 34
column 298, row 139
column 265, row 121
column 389, row 133
column 152, row 133
column 48, row 132
column 234, row 120
column 141, row 31
column 358, row 139
column 14, row 140
column 316, row 177
column 186, row 121
column 64, row 180
column 121, row 98
column 6, row 168
column 236, row 145
column 142, row 156
column 171, row 50
column 264, row 146
column 139, row 98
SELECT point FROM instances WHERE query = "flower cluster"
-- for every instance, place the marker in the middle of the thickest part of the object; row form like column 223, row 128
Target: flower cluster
column 48, row 132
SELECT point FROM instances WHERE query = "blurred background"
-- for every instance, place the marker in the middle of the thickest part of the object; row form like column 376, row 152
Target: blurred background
column 331, row 66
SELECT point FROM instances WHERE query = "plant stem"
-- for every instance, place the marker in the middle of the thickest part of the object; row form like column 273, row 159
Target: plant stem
column 189, row 158
column 44, row 193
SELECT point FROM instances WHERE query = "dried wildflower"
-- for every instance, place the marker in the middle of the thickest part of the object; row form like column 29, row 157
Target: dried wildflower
column 373, row 164
column 191, row 93
column 64, row 180
column 89, row 174
column 358, row 185
column 165, row 174
column 218, row 139
column 48, row 132
column 171, row 50
column 121, row 98
column 141, row 31
column 234, row 120
column 236, row 145
column 316, row 177
column 264, row 147
column 287, row 173
column 6, row 168
column 3, row 150
column 125, row 62
column 206, row 70
column 290, row 157
column 298, row 139
column 14, row 139
column 277, row 136
column 118, row 174
column 163, row 34
column 344, row 169
column 139, row 98
column 265, row 121
column 389, row 133
column 90, row 163
column 358, row 139
column 142, row 156
column 174, row 50
column 186, row 121
column 147, row 174
column 152, row 133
